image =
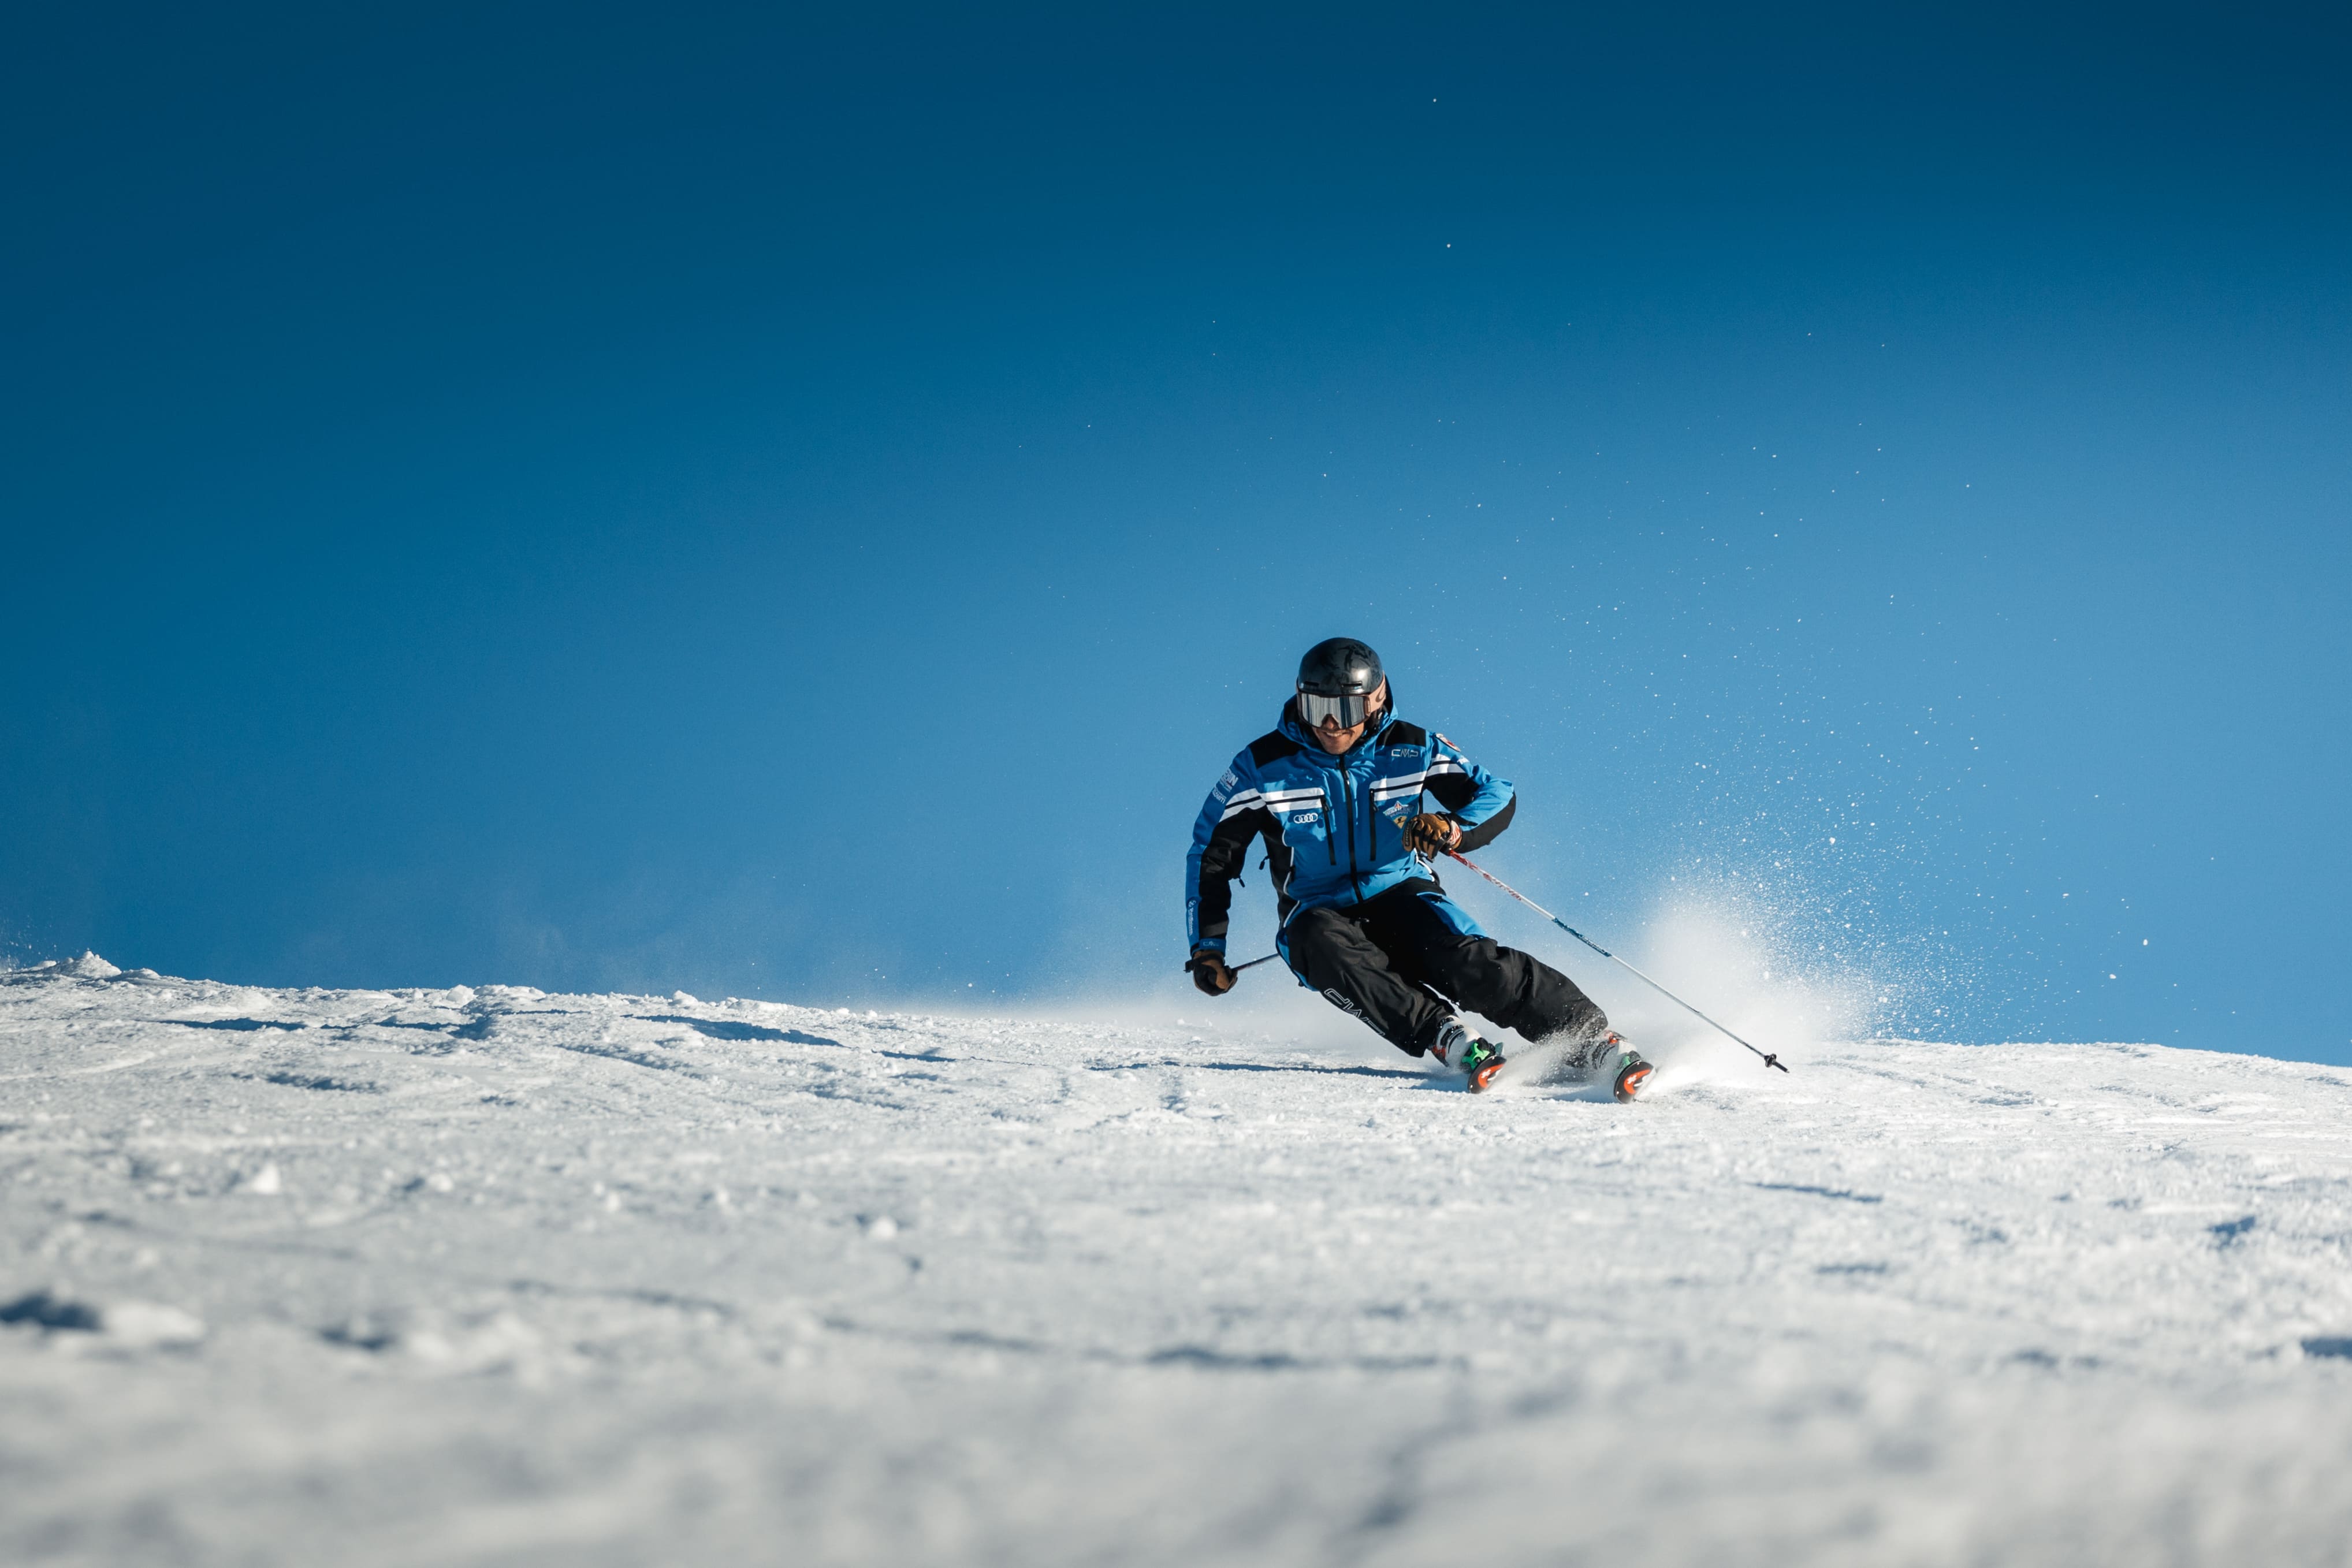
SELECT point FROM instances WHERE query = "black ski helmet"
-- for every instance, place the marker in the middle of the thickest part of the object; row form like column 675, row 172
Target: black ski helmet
column 1335, row 684
column 1341, row 667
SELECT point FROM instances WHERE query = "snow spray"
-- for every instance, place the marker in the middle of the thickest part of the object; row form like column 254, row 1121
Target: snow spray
column 1769, row 1059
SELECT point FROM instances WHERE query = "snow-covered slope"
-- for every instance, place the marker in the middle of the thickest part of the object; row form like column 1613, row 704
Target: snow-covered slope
column 503, row 1277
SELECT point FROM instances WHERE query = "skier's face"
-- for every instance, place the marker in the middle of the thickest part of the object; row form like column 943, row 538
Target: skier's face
column 1336, row 740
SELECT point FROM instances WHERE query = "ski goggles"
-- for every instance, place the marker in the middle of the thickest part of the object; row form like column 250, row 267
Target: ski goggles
column 1350, row 710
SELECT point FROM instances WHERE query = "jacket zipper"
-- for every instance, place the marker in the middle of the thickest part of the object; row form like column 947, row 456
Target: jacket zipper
column 1355, row 873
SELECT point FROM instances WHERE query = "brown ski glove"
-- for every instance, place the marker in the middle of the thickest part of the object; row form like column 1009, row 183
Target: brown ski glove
column 1431, row 834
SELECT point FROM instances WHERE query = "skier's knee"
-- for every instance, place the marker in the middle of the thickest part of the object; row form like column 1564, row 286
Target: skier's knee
column 1471, row 971
column 1312, row 923
column 1317, row 933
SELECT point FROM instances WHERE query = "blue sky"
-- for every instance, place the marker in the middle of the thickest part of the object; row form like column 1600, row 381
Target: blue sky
column 804, row 507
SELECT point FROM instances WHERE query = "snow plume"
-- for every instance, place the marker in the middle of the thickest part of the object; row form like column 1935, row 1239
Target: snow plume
column 1754, row 978
column 1859, row 961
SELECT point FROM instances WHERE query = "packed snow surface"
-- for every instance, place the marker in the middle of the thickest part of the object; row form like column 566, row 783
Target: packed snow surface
column 492, row 1277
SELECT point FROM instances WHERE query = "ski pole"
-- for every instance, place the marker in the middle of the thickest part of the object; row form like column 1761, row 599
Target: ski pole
column 1770, row 1060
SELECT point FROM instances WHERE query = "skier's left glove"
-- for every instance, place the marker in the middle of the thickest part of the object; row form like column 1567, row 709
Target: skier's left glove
column 1431, row 834
column 1209, row 972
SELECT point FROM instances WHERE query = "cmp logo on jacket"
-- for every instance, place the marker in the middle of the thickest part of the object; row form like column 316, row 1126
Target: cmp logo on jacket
column 1332, row 826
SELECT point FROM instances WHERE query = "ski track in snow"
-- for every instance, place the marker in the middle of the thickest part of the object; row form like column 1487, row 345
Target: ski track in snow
column 499, row 1277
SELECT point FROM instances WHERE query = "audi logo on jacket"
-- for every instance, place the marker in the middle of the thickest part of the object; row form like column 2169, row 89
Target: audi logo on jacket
column 1330, row 824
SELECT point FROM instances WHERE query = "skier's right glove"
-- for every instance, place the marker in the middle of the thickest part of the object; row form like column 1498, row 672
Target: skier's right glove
column 1209, row 972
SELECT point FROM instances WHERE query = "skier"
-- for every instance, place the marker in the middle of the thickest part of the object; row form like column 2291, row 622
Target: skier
column 1335, row 791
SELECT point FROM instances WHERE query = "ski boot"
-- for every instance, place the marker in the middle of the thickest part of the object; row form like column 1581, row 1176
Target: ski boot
column 1611, row 1057
column 1479, row 1061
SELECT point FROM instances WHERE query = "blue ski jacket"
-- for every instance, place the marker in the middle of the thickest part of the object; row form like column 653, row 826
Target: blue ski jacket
column 1331, row 825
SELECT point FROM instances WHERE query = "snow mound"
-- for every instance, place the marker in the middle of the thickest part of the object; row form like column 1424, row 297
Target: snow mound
column 135, row 1324
column 88, row 967
column 491, row 1276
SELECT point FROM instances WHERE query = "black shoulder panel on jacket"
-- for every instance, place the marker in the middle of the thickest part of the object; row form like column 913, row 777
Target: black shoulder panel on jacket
column 1454, row 790
column 1272, row 747
column 1403, row 733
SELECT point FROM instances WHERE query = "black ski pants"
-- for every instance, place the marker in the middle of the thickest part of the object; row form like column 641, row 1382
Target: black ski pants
column 1381, row 960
